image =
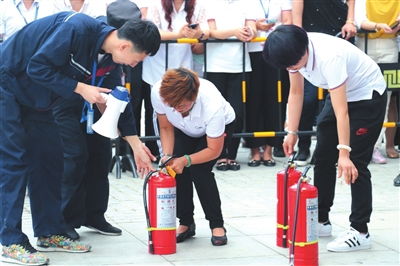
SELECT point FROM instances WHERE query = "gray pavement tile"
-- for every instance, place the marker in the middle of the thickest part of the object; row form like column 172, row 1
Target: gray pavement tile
column 248, row 202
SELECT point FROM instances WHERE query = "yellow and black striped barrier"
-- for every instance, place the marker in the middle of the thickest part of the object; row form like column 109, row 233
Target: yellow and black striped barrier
column 271, row 134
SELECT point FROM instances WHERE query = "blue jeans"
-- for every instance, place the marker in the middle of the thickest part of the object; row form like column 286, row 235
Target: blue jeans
column 31, row 156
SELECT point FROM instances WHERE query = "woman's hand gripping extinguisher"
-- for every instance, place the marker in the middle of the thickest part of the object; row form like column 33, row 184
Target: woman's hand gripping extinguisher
column 161, row 209
column 285, row 179
column 303, row 221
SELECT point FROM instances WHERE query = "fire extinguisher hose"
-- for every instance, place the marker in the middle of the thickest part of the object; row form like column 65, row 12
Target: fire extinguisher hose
column 146, row 209
column 296, row 210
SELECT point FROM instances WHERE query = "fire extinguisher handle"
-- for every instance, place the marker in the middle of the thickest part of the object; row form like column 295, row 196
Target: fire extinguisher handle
column 162, row 165
column 291, row 158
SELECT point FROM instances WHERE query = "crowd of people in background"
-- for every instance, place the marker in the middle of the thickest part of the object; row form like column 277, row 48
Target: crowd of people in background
column 233, row 68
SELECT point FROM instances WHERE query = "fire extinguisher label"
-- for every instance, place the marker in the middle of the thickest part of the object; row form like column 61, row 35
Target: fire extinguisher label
column 166, row 207
column 312, row 219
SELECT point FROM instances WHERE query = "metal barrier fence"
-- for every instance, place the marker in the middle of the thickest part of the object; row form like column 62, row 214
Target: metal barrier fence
column 391, row 73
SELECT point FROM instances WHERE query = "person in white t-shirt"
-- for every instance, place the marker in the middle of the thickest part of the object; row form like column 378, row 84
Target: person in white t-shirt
column 348, row 125
column 16, row 14
column 173, row 18
column 224, row 66
column 194, row 119
column 262, row 94
column 93, row 8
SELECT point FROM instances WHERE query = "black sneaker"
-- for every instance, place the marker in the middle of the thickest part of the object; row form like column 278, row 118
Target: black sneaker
column 396, row 181
column 105, row 229
column 278, row 152
column 302, row 157
column 72, row 233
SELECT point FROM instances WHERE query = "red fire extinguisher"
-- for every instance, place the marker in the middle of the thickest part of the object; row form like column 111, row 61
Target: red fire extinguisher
column 161, row 210
column 285, row 179
column 303, row 223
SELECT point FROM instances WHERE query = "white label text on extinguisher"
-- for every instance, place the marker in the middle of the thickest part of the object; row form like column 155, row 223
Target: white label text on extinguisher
column 312, row 219
column 166, row 207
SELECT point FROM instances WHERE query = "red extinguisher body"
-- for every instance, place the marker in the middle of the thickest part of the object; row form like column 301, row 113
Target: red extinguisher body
column 306, row 238
column 162, row 213
column 293, row 175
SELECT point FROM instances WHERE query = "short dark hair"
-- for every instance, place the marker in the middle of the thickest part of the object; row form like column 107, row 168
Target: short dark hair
column 143, row 34
column 285, row 46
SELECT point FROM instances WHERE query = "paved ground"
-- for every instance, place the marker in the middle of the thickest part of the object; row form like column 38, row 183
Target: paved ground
column 248, row 202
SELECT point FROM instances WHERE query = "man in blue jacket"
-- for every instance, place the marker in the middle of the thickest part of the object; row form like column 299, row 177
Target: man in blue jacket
column 46, row 61
column 87, row 157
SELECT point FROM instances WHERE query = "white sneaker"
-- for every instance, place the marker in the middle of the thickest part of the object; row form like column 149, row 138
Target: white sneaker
column 324, row 229
column 350, row 240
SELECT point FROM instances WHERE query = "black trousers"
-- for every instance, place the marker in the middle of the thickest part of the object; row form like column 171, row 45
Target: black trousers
column 366, row 118
column 262, row 107
column 141, row 95
column 229, row 84
column 87, row 157
column 202, row 177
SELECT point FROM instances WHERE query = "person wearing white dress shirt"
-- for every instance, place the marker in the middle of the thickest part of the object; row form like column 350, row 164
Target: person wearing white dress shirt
column 262, row 94
column 194, row 118
column 224, row 66
column 348, row 125
column 15, row 14
column 93, row 8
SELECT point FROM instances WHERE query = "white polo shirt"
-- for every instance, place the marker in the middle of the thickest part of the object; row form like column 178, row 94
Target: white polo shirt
column 179, row 55
column 93, row 8
column 209, row 115
column 333, row 61
column 14, row 15
column 228, row 57
column 270, row 9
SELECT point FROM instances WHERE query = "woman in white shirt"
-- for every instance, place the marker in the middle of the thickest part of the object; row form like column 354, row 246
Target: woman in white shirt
column 262, row 94
column 194, row 119
column 93, row 8
column 347, row 127
column 229, row 19
column 16, row 14
column 175, row 19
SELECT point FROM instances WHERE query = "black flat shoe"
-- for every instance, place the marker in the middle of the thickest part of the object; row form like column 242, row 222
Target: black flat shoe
column 254, row 163
column 396, row 181
column 222, row 166
column 234, row 166
column 219, row 240
column 187, row 234
column 269, row 162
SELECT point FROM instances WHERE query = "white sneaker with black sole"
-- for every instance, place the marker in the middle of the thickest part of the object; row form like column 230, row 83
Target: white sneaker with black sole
column 350, row 240
column 324, row 229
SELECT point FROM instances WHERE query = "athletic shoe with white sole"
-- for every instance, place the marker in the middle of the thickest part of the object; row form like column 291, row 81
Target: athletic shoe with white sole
column 350, row 240
column 325, row 229
column 61, row 243
column 23, row 254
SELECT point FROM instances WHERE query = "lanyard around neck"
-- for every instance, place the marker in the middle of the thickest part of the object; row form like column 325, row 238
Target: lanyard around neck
column 266, row 11
column 36, row 4
column 94, row 72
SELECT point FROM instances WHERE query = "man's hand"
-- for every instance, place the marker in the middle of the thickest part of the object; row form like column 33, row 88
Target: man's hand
column 347, row 170
column 92, row 94
column 142, row 155
column 288, row 144
column 143, row 160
